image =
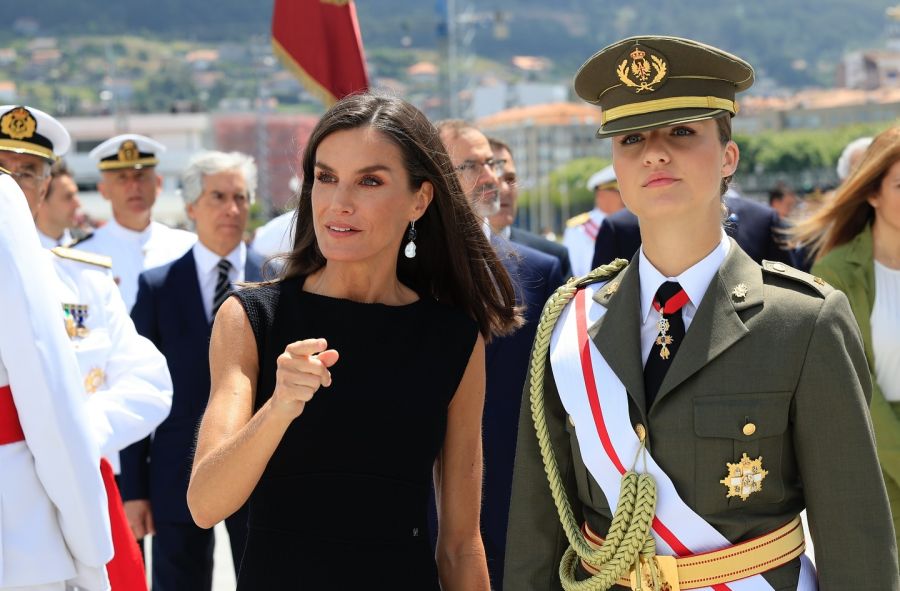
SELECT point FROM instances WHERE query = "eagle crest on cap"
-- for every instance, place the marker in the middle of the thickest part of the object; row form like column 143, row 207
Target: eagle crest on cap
column 18, row 124
column 128, row 152
column 638, row 75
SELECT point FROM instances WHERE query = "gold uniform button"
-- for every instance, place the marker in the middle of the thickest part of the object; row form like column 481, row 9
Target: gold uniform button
column 640, row 431
column 571, row 422
column 749, row 429
column 779, row 267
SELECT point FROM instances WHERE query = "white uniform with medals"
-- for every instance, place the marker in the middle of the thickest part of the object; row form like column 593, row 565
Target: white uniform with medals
column 580, row 237
column 125, row 377
column 134, row 252
column 54, row 524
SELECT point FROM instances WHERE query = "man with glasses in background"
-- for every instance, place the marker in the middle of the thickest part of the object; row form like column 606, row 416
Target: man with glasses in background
column 502, row 221
column 535, row 275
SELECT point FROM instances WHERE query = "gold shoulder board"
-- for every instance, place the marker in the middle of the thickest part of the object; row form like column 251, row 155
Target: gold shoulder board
column 83, row 257
column 819, row 285
column 578, row 219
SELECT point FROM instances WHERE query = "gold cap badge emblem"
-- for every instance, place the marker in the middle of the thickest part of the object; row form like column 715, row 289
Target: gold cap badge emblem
column 18, row 124
column 744, row 478
column 643, row 74
column 129, row 151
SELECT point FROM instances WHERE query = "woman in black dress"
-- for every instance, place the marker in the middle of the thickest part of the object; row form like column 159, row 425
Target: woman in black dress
column 385, row 302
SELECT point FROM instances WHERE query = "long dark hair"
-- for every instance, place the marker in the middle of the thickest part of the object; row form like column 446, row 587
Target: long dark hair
column 454, row 261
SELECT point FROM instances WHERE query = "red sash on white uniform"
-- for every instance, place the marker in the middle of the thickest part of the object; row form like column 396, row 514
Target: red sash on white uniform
column 596, row 400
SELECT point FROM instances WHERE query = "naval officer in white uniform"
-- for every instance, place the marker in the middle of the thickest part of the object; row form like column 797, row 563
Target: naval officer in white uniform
column 133, row 241
column 54, row 523
column 124, row 377
column 581, row 230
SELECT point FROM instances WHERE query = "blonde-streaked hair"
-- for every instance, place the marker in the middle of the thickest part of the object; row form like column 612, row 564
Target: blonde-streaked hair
column 849, row 211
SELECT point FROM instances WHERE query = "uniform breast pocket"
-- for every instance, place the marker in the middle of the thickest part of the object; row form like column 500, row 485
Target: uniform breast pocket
column 748, row 431
column 92, row 353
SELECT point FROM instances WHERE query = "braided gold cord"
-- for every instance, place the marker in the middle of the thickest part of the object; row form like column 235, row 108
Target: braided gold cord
column 629, row 538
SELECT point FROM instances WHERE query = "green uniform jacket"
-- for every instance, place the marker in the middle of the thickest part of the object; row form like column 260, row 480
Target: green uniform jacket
column 787, row 357
column 850, row 268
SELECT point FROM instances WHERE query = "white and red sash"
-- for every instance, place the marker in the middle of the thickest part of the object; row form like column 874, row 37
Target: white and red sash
column 591, row 228
column 609, row 444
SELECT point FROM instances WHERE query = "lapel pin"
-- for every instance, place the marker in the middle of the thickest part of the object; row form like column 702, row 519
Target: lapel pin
column 739, row 292
column 611, row 289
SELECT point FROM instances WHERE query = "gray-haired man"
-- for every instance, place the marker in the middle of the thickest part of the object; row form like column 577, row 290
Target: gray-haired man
column 175, row 308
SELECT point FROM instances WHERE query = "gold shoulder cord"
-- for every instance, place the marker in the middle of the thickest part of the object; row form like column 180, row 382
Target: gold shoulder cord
column 629, row 544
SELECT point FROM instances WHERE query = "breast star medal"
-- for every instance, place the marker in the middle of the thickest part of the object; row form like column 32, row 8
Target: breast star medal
column 663, row 340
column 94, row 380
column 744, row 478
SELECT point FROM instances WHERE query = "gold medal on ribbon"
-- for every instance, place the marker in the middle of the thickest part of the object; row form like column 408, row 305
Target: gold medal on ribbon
column 75, row 316
column 663, row 340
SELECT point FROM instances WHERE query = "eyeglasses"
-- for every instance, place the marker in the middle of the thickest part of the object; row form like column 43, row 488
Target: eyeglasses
column 27, row 178
column 470, row 166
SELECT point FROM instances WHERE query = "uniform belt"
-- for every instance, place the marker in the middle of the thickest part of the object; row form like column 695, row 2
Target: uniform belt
column 10, row 428
column 729, row 564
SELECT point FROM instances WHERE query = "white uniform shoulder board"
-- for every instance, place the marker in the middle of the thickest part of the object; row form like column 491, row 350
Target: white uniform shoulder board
column 578, row 219
column 83, row 257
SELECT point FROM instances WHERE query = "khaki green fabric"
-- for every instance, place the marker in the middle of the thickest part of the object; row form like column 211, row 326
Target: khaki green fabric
column 647, row 69
column 788, row 357
column 850, row 268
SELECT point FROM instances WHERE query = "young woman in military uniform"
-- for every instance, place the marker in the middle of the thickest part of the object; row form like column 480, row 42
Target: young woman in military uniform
column 688, row 406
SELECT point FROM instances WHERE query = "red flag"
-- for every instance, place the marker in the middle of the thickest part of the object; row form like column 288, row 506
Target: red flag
column 319, row 41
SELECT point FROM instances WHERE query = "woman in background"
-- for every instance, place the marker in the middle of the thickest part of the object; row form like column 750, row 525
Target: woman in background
column 857, row 238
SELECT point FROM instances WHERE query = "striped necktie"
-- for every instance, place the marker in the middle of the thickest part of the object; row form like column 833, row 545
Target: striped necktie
column 223, row 286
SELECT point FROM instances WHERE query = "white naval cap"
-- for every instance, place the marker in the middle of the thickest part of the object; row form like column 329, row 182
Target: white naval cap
column 26, row 130
column 603, row 179
column 128, row 150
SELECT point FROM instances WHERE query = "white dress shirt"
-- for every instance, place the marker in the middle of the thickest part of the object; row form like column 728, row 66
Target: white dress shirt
column 694, row 281
column 208, row 275
column 885, row 322
column 134, row 252
column 48, row 242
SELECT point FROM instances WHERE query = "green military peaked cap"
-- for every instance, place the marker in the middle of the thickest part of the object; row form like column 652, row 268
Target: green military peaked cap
column 652, row 81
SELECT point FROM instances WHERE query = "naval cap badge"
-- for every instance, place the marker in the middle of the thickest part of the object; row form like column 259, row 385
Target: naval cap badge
column 128, row 152
column 18, row 124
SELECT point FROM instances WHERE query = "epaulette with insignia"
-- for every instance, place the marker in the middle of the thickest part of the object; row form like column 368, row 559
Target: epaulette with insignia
column 578, row 219
column 83, row 257
column 818, row 284
column 604, row 273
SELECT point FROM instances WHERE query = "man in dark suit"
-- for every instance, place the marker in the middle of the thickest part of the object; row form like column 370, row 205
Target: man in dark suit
column 754, row 226
column 535, row 275
column 175, row 308
column 502, row 221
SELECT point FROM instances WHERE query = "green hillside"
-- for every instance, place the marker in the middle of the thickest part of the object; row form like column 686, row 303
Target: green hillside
column 794, row 42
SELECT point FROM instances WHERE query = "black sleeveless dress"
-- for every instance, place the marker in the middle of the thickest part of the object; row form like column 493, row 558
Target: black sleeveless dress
column 342, row 503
